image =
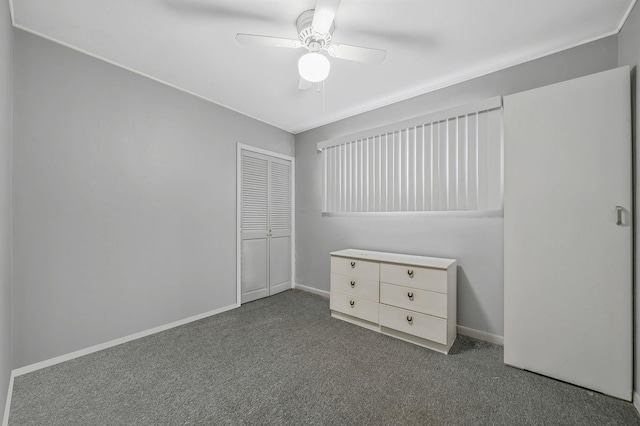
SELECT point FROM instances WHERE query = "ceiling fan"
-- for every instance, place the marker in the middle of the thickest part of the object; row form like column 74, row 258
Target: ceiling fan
column 314, row 34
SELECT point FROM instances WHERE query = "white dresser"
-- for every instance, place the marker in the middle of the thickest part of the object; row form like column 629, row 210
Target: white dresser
column 409, row 297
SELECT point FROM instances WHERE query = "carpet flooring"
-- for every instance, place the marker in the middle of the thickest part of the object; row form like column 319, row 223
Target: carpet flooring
column 283, row 360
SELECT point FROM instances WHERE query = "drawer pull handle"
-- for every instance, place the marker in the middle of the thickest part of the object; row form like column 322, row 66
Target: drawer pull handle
column 353, row 264
column 352, row 303
column 410, row 272
column 410, row 295
column 353, row 284
column 409, row 319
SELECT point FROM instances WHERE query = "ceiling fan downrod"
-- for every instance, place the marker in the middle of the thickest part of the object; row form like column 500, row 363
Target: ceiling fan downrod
column 310, row 39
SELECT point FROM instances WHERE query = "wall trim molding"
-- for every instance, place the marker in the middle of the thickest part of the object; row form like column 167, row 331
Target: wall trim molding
column 7, row 405
column 111, row 343
column 465, row 331
column 481, row 335
column 13, row 17
column 626, row 16
column 458, row 79
column 308, row 289
column 143, row 74
column 428, row 88
column 636, row 400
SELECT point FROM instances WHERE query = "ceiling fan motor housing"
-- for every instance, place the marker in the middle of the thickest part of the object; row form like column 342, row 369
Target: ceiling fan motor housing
column 310, row 39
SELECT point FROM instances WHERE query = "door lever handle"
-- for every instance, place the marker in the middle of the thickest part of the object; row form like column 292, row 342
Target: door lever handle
column 619, row 210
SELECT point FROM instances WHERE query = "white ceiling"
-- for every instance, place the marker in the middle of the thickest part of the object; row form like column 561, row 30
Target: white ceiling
column 190, row 44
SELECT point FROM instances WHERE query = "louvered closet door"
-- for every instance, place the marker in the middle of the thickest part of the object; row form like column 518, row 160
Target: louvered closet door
column 255, row 221
column 280, row 226
column 265, row 225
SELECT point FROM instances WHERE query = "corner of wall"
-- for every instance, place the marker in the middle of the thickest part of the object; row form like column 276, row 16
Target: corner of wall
column 6, row 280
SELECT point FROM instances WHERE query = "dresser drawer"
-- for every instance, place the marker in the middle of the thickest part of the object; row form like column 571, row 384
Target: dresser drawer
column 354, row 306
column 420, row 325
column 414, row 276
column 427, row 302
column 354, row 286
column 355, row 268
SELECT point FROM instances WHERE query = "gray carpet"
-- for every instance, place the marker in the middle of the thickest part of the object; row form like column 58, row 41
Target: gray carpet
column 283, row 360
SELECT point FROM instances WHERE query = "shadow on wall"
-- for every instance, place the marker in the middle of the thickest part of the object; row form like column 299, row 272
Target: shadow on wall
column 468, row 301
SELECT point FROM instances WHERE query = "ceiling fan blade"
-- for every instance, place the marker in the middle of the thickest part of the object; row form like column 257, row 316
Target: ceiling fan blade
column 357, row 53
column 260, row 40
column 323, row 15
column 304, row 84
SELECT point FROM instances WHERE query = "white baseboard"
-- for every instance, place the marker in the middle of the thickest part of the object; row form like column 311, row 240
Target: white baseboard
column 7, row 405
column 636, row 400
column 322, row 293
column 481, row 335
column 477, row 334
column 465, row 331
column 62, row 358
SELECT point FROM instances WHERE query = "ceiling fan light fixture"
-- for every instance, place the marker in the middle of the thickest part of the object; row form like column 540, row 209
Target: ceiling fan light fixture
column 314, row 67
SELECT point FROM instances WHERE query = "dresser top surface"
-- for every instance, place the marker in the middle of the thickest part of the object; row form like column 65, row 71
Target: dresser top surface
column 430, row 262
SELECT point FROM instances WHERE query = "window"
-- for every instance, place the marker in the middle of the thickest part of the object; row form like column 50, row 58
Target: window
column 446, row 161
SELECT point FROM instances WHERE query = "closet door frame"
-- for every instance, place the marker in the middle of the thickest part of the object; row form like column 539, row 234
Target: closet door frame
column 240, row 148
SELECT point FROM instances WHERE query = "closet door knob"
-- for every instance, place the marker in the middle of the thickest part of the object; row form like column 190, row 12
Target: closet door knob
column 619, row 210
column 410, row 295
column 353, row 284
column 353, row 264
column 409, row 319
column 352, row 303
column 410, row 273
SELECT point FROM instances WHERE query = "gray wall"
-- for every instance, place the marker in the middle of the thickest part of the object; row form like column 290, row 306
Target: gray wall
column 477, row 243
column 124, row 201
column 5, row 201
column 629, row 54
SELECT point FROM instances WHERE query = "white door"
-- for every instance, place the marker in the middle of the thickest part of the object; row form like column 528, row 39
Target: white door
column 279, row 226
column 567, row 232
column 265, row 225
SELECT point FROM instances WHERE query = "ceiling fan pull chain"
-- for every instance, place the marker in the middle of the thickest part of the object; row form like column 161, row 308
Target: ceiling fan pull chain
column 323, row 91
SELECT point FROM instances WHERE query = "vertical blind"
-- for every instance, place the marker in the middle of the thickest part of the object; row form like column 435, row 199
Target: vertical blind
column 446, row 161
